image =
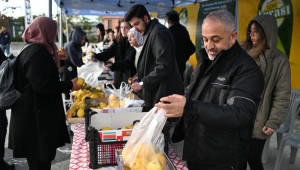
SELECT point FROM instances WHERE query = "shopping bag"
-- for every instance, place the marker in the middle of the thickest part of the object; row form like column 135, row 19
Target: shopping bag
column 144, row 149
column 91, row 71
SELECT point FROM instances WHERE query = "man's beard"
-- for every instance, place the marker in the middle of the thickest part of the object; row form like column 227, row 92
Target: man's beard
column 145, row 27
column 216, row 50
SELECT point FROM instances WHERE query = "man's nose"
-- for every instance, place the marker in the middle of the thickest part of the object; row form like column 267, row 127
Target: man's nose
column 210, row 45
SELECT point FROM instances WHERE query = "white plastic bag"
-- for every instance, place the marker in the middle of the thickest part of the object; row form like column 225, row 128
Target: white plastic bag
column 91, row 71
column 144, row 149
column 133, row 103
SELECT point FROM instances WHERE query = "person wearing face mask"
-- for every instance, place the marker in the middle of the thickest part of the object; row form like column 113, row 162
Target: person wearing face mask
column 218, row 111
column 261, row 45
column 120, row 49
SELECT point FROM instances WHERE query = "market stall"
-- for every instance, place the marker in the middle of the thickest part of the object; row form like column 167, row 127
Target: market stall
column 80, row 157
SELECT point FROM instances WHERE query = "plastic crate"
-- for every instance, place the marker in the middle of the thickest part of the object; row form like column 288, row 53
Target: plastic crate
column 102, row 154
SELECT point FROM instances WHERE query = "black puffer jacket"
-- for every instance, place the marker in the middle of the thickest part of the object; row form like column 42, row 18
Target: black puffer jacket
column 221, row 107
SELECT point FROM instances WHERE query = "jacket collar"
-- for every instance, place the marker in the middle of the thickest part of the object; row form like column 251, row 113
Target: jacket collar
column 224, row 54
column 150, row 26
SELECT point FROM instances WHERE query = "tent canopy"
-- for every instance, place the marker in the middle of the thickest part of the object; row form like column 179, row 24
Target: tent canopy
column 117, row 7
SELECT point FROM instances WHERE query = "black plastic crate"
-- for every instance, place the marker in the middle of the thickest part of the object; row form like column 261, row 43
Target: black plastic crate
column 102, row 154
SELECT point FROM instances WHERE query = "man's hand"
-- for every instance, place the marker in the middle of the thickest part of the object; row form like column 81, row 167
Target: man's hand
column 136, row 87
column 174, row 107
column 267, row 130
column 107, row 67
column 62, row 54
column 75, row 86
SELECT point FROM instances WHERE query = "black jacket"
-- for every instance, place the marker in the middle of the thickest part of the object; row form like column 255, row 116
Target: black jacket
column 74, row 60
column 157, row 67
column 37, row 125
column 120, row 51
column 221, row 106
column 2, row 57
column 184, row 46
column 5, row 38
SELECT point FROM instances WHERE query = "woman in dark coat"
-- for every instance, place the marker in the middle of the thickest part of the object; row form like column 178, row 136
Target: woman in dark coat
column 121, row 50
column 37, row 126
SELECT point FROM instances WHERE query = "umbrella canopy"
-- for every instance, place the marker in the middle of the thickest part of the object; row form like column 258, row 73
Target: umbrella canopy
column 117, row 7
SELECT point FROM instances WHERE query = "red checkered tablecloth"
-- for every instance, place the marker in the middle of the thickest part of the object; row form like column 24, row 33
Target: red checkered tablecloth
column 80, row 157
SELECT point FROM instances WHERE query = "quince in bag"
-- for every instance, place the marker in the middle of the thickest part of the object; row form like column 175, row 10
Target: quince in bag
column 144, row 149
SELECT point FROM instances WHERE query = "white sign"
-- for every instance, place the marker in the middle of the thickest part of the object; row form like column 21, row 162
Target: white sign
column 28, row 16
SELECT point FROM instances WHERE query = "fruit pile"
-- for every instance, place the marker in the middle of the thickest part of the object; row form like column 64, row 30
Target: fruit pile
column 125, row 127
column 146, row 158
column 77, row 108
column 118, row 102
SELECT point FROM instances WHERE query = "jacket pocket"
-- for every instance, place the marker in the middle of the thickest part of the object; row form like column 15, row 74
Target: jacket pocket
column 222, row 89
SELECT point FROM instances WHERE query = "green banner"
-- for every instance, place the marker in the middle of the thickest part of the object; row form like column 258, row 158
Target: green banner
column 282, row 10
column 205, row 9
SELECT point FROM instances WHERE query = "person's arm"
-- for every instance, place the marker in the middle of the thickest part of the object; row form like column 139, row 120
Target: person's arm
column 240, row 109
column 162, row 51
column 75, row 55
column 126, row 63
column 39, row 74
column 109, row 53
column 281, row 95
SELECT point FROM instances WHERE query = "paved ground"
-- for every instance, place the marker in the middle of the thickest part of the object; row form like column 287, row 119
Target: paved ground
column 61, row 161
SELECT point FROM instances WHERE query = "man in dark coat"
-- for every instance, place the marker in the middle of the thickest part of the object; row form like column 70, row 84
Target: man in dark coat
column 157, row 69
column 184, row 46
column 218, row 111
column 3, row 129
column 5, row 40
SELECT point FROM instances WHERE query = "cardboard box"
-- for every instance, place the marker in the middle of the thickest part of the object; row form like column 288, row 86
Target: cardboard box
column 115, row 121
column 71, row 119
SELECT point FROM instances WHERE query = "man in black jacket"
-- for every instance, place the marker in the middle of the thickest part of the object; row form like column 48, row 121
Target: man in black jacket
column 218, row 112
column 3, row 130
column 184, row 46
column 5, row 40
column 157, row 69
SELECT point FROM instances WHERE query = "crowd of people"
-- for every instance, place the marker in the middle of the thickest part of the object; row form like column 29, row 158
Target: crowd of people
column 238, row 93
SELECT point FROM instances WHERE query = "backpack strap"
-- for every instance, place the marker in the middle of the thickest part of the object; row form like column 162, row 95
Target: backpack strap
column 24, row 47
column 21, row 50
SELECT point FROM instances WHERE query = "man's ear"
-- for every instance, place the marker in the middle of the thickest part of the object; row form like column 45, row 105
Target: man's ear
column 233, row 37
column 146, row 18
